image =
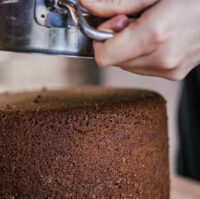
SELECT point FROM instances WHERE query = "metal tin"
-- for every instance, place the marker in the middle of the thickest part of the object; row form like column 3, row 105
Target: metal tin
column 20, row 32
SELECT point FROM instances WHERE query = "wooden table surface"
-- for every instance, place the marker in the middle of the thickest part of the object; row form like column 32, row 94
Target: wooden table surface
column 182, row 188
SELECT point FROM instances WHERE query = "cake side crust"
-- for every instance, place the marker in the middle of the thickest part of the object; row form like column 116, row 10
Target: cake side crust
column 98, row 151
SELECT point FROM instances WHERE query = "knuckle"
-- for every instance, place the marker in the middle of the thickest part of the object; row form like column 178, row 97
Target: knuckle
column 167, row 63
column 158, row 34
column 176, row 76
column 101, row 61
column 102, row 54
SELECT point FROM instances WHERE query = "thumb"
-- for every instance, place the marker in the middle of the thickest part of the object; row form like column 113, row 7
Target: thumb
column 109, row 8
column 115, row 24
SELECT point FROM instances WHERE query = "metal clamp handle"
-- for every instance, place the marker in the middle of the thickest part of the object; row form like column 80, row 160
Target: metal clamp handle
column 77, row 12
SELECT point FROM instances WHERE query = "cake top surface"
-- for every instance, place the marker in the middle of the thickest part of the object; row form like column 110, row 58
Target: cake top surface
column 86, row 97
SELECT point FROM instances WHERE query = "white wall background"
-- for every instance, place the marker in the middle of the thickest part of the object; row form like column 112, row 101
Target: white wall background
column 20, row 72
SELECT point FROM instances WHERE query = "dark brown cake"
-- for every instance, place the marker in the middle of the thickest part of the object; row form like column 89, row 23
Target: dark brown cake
column 89, row 143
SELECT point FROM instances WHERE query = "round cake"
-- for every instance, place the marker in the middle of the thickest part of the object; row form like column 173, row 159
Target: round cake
column 84, row 143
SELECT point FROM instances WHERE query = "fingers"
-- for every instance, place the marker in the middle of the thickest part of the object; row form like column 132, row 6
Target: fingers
column 109, row 8
column 132, row 42
column 148, row 66
column 145, row 72
column 144, row 62
column 173, row 75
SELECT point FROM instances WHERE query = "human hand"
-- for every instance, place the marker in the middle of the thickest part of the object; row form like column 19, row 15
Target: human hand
column 110, row 8
column 163, row 42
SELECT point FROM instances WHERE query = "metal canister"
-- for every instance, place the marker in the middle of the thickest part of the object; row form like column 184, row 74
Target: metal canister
column 57, row 27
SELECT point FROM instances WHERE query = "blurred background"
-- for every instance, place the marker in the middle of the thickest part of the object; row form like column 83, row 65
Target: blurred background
column 25, row 72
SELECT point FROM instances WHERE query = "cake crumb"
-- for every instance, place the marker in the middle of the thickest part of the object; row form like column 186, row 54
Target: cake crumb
column 92, row 196
column 8, row 106
column 3, row 121
column 37, row 99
